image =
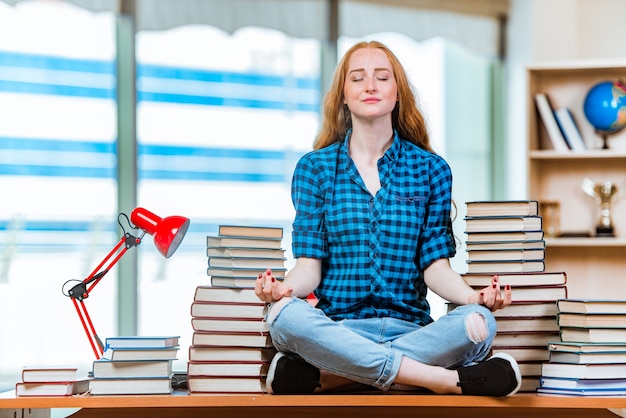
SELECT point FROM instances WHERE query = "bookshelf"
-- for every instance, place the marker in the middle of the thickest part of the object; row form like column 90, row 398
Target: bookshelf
column 596, row 267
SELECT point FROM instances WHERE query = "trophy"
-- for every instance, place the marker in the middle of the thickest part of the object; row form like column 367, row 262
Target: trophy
column 603, row 193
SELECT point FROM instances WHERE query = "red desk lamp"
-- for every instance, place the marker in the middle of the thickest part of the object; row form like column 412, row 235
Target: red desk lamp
column 168, row 234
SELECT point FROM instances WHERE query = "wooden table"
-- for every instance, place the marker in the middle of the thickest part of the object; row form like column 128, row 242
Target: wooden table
column 181, row 404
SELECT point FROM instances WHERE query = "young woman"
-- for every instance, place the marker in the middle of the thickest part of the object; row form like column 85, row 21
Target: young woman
column 372, row 233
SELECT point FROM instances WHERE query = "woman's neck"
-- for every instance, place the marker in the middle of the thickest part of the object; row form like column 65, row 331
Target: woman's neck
column 370, row 145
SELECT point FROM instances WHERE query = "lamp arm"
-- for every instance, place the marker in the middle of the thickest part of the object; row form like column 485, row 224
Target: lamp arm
column 81, row 291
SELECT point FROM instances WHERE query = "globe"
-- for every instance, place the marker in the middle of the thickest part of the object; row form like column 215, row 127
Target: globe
column 605, row 107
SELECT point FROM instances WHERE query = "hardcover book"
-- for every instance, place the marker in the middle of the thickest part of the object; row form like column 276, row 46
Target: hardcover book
column 231, row 353
column 541, row 278
column 130, row 386
column 49, row 374
column 594, row 335
column 506, row 236
column 116, row 354
column 503, row 223
column 497, row 267
column 502, row 208
column 209, row 384
column 208, row 339
column 136, row 341
column 230, row 310
column 224, row 294
column 506, row 255
column 76, row 387
column 227, row 369
column 243, row 242
column 228, row 325
column 146, row 368
column 592, row 306
column 277, row 253
column 250, row 231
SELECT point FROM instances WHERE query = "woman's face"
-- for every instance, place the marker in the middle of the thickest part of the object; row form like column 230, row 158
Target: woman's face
column 370, row 89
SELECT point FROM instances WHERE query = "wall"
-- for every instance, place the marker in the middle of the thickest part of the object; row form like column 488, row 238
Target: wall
column 552, row 31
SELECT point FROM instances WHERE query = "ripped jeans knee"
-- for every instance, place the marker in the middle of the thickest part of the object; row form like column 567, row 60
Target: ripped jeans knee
column 476, row 327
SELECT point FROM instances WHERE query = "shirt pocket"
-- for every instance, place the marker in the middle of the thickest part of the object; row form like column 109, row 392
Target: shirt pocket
column 407, row 211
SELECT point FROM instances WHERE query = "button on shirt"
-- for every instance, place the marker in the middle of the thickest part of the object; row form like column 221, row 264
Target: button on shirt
column 374, row 249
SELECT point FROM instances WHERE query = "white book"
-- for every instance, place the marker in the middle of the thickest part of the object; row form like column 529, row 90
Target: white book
column 570, row 130
column 549, row 121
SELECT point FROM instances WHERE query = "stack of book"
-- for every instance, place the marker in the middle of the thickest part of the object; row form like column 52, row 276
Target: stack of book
column 51, row 381
column 135, row 365
column 238, row 253
column 506, row 238
column 231, row 347
column 590, row 357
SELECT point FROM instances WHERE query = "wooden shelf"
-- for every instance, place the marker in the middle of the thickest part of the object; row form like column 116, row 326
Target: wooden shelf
column 586, row 242
column 595, row 267
column 339, row 405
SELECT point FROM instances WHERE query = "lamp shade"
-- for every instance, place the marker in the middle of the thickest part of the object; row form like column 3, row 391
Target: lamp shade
column 167, row 232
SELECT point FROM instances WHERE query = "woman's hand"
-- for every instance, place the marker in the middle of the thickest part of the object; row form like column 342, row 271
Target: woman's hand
column 268, row 289
column 492, row 296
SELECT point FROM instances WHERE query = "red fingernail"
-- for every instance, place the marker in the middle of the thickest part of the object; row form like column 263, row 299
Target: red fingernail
column 260, row 275
column 273, row 278
column 269, row 272
column 508, row 287
column 493, row 285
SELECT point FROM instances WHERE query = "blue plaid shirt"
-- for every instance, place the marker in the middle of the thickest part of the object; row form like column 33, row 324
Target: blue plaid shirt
column 374, row 249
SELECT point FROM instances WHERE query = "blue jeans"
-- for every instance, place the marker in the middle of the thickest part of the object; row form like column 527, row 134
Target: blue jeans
column 369, row 351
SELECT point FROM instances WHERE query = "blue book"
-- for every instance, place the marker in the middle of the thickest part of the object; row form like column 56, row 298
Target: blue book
column 136, row 341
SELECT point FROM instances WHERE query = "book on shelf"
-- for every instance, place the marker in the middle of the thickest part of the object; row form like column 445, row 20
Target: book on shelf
column 546, row 111
column 141, row 368
column 600, row 393
column 117, row 354
column 75, row 387
column 247, row 262
column 246, row 252
column 204, row 293
column 586, row 348
column 541, row 278
column 228, row 369
column 593, row 335
column 550, row 293
column 496, row 267
column 138, row 341
column 37, row 374
column 228, row 325
column 506, row 236
column 502, row 223
column 583, row 384
column 239, row 339
column 231, row 353
column 524, row 353
column 569, row 129
column 230, row 310
column 244, row 273
column 614, row 357
column 516, row 325
column 522, row 309
column 216, row 384
column 250, row 231
column 527, row 310
column 525, row 339
column 592, row 320
column 502, row 208
column 584, row 371
column 529, row 384
column 233, row 282
column 506, row 255
column 213, row 241
column 505, row 245
column 592, row 306
column 530, row 368
column 131, row 386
